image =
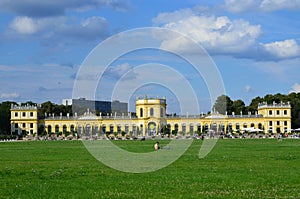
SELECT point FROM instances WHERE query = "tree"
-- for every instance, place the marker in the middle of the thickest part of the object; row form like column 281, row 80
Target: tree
column 5, row 127
column 294, row 99
column 277, row 98
column 238, row 106
column 49, row 107
column 254, row 104
column 223, row 104
column 30, row 103
column 166, row 130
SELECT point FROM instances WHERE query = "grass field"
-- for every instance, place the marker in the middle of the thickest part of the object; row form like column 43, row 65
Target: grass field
column 236, row 168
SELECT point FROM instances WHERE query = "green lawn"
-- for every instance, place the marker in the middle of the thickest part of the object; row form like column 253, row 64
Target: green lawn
column 236, row 168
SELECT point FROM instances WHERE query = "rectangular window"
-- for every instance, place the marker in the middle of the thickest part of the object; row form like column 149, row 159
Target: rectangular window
column 270, row 112
column 285, row 123
column 31, row 114
column 270, row 123
column 278, row 112
column 24, row 125
column 16, row 114
column 278, row 123
column 285, row 112
column 24, row 114
column 16, row 126
column 31, row 125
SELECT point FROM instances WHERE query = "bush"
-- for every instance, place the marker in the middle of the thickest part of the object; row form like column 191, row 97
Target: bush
column 174, row 132
column 107, row 133
column 8, row 137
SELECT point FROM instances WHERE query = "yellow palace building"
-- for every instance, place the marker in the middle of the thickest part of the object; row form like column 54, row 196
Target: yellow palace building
column 149, row 119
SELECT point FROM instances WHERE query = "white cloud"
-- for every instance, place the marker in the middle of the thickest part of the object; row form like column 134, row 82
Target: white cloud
column 51, row 30
column 283, row 49
column 173, row 16
column 24, row 25
column 248, row 88
column 6, row 96
column 295, row 88
column 262, row 5
column 216, row 34
column 88, row 29
column 120, row 70
column 272, row 5
column 27, row 25
column 240, row 6
column 222, row 35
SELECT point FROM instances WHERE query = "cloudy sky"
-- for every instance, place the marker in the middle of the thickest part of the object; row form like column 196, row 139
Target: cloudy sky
column 254, row 43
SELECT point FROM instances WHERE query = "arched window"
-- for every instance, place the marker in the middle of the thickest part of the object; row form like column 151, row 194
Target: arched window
column 214, row 126
column 56, row 128
column 206, row 127
column 199, row 127
column 191, row 128
column 162, row 112
column 229, row 127
column 141, row 128
column 176, row 128
column 237, row 126
column 72, row 128
column 141, row 112
column 64, row 128
column 88, row 130
column 168, row 128
column 111, row 128
column 96, row 129
column 119, row 129
column 79, row 130
column 222, row 127
column 49, row 129
column 183, row 129
column 151, row 128
column 151, row 112
column 103, row 129
column 134, row 129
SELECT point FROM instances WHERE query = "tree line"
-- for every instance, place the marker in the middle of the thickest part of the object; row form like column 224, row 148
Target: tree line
column 223, row 104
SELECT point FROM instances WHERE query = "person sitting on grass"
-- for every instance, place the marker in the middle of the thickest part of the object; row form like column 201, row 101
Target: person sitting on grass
column 156, row 146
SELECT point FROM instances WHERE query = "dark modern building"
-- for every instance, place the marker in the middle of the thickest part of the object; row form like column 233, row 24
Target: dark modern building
column 103, row 107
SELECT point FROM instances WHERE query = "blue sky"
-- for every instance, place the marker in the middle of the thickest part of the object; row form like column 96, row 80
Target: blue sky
column 254, row 43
